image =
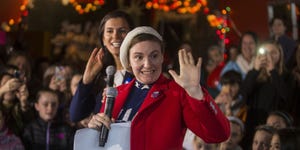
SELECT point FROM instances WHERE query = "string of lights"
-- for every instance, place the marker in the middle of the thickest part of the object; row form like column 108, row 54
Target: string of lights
column 23, row 12
column 180, row 6
column 86, row 6
column 221, row 22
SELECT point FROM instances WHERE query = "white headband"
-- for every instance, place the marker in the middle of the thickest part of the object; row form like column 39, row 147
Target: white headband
column 238, row 121
column 124, row 50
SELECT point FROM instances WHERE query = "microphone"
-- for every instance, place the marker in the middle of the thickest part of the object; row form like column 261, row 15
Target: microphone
column 111, row 93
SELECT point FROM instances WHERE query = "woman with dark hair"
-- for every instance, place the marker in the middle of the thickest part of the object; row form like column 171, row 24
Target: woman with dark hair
column 244, row 61
column 112, row 30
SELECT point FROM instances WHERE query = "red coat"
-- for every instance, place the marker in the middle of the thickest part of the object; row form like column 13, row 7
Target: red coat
column 166, row 113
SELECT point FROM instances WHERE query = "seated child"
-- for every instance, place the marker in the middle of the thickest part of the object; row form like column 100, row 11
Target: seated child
column 236, row 134
column 286, row 139
column 45, row 132
column 279, row 119
column 262, row 137
column 230, row 99
column 199, row 144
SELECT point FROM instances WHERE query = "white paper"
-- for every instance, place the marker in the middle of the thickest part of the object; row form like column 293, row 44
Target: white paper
column 118, row 138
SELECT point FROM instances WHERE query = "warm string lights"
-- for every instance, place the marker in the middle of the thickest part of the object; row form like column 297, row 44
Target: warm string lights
column 220, row 21
column 180, row 6
column 23, row 12
column 86, row 6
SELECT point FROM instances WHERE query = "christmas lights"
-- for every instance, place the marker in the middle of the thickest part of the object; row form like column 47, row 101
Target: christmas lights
column 85, row 6
column 22, row 12
column 180, row 6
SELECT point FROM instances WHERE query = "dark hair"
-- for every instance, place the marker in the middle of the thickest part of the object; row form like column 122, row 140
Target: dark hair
column 108, row 57
column 110, row 15
column 213, row 47
column 16, row 54
column 231, row 77
column 250, row 33
column 288, row 119
column 145, row 37
column 45, row 90
column 289, row 138
column 6, row 68
column 278, row 18
column 266, row 128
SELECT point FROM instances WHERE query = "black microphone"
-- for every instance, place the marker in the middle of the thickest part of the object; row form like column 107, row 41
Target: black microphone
column 111, row 93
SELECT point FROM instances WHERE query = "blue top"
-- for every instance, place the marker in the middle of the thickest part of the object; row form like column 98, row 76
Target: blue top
column 135, row 99
column 85, row 102
column 232, row 65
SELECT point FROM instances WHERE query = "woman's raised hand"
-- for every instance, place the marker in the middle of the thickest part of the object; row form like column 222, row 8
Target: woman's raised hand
column 190, row 74
column 93, row 66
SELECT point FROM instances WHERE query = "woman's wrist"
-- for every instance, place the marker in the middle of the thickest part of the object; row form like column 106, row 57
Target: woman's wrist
column 195, row 92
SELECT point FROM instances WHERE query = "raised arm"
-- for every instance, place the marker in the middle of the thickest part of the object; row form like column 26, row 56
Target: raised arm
column 190, row 74
column 84, row 100
column 93, row 66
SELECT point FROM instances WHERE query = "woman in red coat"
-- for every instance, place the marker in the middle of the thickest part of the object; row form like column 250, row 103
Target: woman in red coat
column 160, row 109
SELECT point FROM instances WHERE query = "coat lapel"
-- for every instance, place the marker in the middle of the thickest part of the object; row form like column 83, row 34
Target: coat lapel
column 155, row 94
column 121, row 98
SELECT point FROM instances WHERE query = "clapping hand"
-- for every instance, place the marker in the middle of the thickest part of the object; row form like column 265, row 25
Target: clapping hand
column 94, row 66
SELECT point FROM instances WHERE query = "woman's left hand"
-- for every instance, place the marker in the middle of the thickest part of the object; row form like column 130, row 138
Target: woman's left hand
column 190, row 74
column 98, row 120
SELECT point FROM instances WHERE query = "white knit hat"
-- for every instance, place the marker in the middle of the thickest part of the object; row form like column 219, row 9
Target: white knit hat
column 124, row 50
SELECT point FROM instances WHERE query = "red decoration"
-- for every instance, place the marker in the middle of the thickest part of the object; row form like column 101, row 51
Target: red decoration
column 11, row 13
column 180, row 6
column 86, row 6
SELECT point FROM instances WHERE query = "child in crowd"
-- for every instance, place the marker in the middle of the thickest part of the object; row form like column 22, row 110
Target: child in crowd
column 279, row 120
column 45, row 132
column 230, row 99
column 213, row 67
column 237, row 132
column 56, row 78
column 8, row 140
column 286, row 139
column 73, row 87
column 262, row 137
column 199, row 144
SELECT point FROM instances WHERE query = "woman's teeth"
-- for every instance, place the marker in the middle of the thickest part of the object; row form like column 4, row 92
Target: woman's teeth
column 147, row 72
column 116, row 44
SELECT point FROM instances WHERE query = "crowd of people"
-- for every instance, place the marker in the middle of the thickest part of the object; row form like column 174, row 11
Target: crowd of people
column 248, row 101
